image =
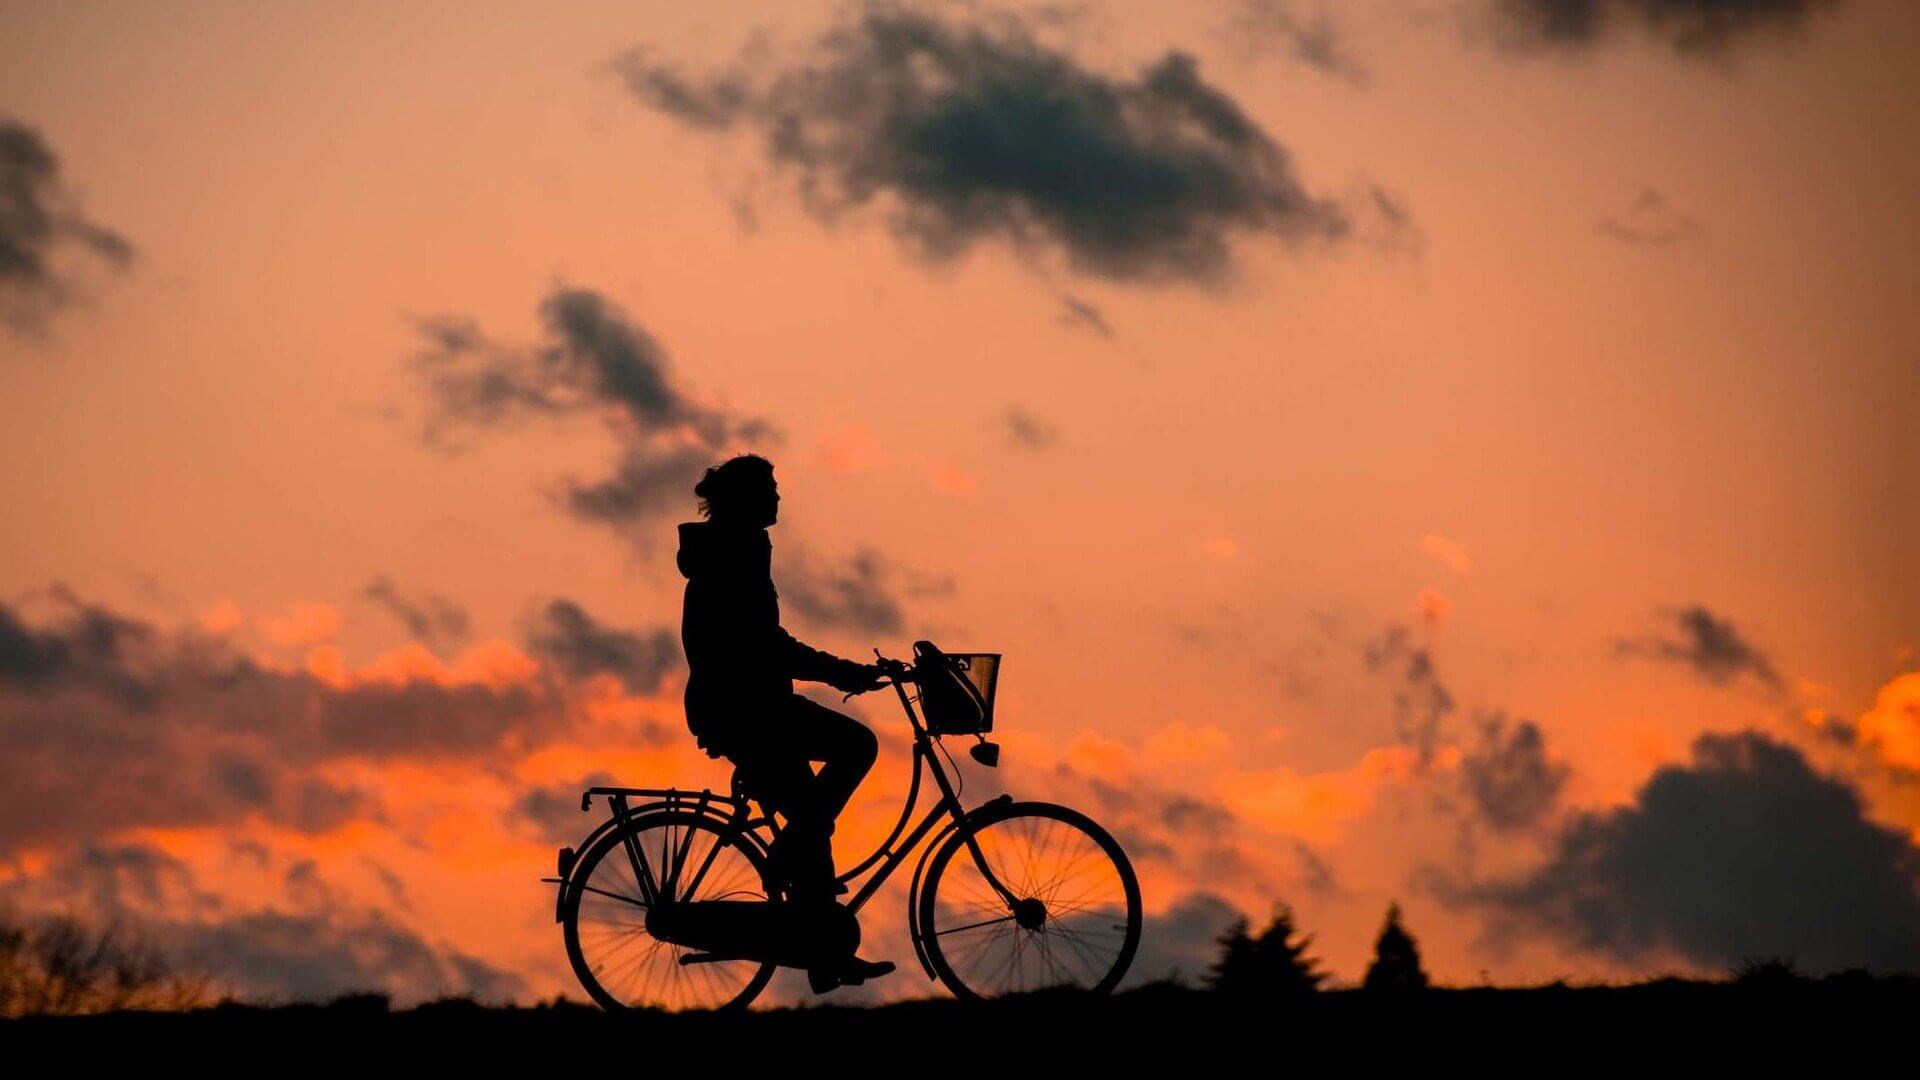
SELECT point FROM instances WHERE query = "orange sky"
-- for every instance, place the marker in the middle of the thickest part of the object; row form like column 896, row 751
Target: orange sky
column 1520, row 433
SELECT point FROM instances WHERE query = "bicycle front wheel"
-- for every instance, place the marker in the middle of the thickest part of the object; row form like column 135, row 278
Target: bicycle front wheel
column 675, row 852
column 1029, row 896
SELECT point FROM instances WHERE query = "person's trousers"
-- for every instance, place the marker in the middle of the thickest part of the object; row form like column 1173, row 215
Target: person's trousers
column 776, row 769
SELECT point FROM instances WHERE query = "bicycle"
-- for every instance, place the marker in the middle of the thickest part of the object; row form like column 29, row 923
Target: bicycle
column 669, row 904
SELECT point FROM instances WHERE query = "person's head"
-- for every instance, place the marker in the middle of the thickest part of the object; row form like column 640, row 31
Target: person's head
column 740, row 491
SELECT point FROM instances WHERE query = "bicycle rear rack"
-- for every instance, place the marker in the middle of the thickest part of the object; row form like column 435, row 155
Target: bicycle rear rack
column 735, row 810
column 617, row 797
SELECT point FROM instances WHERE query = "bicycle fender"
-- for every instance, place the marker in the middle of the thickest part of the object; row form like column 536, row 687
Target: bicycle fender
column 634, row 813
column 919, row 868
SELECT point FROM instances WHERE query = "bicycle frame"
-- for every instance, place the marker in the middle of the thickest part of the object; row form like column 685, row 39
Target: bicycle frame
column 737, row 815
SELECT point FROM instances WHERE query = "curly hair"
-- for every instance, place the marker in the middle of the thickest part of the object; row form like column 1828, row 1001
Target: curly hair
column 724, row 483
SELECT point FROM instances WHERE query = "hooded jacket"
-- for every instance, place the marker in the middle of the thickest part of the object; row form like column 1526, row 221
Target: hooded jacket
column 740, row 663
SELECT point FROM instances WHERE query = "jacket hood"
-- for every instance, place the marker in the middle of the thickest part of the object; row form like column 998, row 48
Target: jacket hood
column 706, row 546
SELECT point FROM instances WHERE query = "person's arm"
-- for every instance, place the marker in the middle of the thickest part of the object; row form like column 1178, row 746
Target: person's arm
column 804, row 662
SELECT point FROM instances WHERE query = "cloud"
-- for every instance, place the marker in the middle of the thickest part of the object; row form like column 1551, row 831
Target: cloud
column 552, row 811
column 856, row 594
column 1028, row 431
column 429, row 617
column 1083, row 314
column 1892, row 727
column 1691, row 27
column 1420, row 701
column 1652, row 221
column 307, row 945
column 974, row 132
column 45, row 241
column 1448, row 553
column 1709, row 645
column 1745, row 852
column 82, row 644
column 1182, row 942
column 1508, row 777
column 1302, row 33
column 581, row 646
column 185, row 731
column 595, row 360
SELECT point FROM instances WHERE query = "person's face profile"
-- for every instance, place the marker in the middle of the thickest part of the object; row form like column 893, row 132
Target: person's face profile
column 770, row 508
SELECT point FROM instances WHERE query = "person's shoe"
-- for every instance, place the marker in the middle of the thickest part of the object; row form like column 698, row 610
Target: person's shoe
column 858, row 971
column 854, row 972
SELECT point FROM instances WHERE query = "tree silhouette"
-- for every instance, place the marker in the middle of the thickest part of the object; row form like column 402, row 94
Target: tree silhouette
column 1396, row 959
column 1273, row 963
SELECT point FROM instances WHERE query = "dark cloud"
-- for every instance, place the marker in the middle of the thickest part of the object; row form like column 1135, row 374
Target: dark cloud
column 1707, row 644
column 1316, row 874
column 81, row 644
column 856, row 594
column 420, row 717
column 1199, row 839
column 1509, row 780
column 552, row 811
column 44, row 240
column 211, row 736
column 970, row 132
column 1083, row 314
column 1652, row 221
column 1182, row 943
column 1301, row 32
column 313, row 947
column 581, row 646
column 646, row 480
column 1695, row 27
column 1028, row 431
column 429, row 617
column 1745, row 852
column 594, row 360
column 1420, row 701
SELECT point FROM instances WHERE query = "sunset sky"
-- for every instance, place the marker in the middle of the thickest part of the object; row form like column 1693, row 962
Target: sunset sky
column 1454, row 452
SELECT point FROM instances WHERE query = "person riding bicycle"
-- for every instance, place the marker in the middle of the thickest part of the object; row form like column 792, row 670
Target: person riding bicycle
column 740, row 701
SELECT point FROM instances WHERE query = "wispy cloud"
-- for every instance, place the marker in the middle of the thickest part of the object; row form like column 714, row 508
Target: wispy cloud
column 594, row 359
column 46, row 243
column 428, row 616
column 1298, row 31
column 1650, row 221
column 973, row 130
column 1709, row 646
column 1691, row 27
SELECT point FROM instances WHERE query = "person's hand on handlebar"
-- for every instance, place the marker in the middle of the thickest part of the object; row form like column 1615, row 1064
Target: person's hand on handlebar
column 862, row 678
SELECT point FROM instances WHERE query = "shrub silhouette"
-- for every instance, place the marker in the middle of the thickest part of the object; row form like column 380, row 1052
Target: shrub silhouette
column 1396, row 959
column 1769, row 973
column 62, row 967
column 1270, row 964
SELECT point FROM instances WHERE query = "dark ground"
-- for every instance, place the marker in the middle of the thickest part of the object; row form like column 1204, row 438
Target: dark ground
column 1660, row 1027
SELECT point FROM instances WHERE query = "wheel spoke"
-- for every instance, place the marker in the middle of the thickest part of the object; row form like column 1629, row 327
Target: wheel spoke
column 1041, row 854
column 619, row 961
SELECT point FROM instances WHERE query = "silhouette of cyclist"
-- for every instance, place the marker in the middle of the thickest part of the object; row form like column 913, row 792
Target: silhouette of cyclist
column 740, row 699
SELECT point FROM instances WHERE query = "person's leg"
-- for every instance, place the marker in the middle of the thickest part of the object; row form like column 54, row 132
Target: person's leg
column 783, row 782
column 779, row 775
column 845, row 747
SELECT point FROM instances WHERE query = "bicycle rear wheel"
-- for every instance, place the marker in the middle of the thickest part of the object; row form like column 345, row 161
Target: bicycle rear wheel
column 1069, row 916
column 619, row 963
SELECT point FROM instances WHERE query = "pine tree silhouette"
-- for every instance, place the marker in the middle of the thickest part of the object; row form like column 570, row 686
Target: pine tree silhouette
column 1396, row 959
column 1270, row 964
